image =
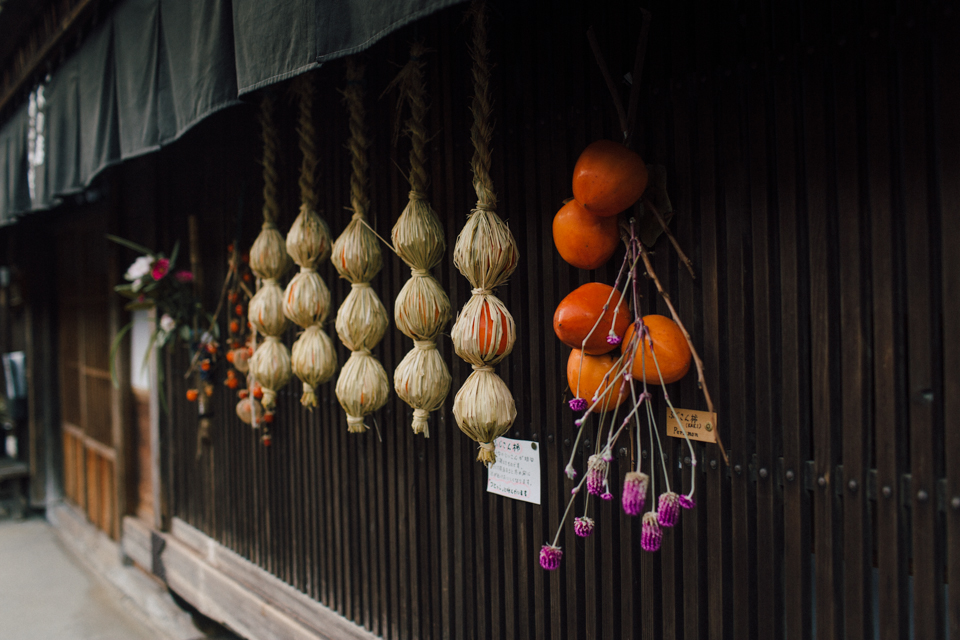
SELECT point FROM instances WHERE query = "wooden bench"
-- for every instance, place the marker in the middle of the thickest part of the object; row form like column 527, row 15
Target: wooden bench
column 15, row 471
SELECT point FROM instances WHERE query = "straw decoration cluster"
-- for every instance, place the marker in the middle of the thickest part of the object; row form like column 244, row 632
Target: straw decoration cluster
column 362, row 387
column 422, row 308
column 270, row 364
column 306, row 301
column 486, row 254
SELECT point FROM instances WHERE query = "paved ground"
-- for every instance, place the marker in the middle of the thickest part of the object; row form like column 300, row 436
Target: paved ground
column 46, row 593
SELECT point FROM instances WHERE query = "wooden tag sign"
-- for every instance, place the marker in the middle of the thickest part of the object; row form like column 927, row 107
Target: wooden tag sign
column 700, row 425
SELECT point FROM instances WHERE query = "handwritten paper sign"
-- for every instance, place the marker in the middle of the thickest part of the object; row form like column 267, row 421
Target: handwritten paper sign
column 700, row 425
column 516, row 473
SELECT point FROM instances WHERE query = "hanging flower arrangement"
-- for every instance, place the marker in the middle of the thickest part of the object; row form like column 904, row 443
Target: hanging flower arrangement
column 152, row 281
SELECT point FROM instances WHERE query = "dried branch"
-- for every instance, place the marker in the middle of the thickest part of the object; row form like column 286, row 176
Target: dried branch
column 676, row 245
column 611, row 85
column 696, row 356
column 636, row 76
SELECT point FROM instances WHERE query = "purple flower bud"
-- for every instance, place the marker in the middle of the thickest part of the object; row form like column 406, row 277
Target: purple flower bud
column 668, row 509
column 613, row 338
column 583, row 527
column 574, row 491
column 550, row 557
column 634, row 492
column 596, row 475
column 607, row 496
column 686, row 502
column 651, row 537
column 578, row 404
column 570, row 471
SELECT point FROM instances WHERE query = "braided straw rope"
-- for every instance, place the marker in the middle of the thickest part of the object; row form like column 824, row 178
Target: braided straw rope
column 422, row 308
column 270, row 363
column 306, row 300
column 362, row 387
column 486, row 254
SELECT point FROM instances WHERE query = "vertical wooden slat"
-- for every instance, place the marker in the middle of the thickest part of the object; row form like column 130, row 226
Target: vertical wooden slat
column 887, row 343
column 735, row 392
column 718, row 622
column 847, row 78
column 768, row 560
column 919, row 229
column 948, row 66
column 794, row 382
column 817, row 135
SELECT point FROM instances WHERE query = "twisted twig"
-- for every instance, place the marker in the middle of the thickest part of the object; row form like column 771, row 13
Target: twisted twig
column 307, row 135
column 481, row 133
column 271, row 208
column 358, row 143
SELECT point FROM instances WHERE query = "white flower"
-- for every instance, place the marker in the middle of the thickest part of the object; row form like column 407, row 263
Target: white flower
column 167, row 323
column 139, row 268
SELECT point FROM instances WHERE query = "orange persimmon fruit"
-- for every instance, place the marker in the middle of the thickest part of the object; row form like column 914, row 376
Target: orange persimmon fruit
column 578, row 313
column 608, row 178
column 487, row 330
column 669, row 345
column 583, row 239
column 586, row 379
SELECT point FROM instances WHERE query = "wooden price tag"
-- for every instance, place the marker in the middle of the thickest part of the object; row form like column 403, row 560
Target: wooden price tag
column 700, row 425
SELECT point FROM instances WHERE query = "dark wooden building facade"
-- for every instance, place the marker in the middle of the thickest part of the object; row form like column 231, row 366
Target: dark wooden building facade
column 813, row 159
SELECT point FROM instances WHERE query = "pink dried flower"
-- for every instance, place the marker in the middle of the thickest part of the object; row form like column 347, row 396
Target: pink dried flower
column 686, row 502
column 583, row 527
column 634, row 492
column 668, row 509
column 607, row 496
column 550, row 557
column 578, row 404
column 652, row 536
column 184, row 276
column 596, row 475
column 613, row 338
column 160, row 268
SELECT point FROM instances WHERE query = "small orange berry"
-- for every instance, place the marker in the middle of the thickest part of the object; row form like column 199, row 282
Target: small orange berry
column 258, row 392
column 246, row 277
column 230, row 355
column 192, row 395
column 243, row 393
column 239, row 309
column 234, row 326
column 205, row 365
column 268, row 417
column 208, row 389
column 232, row 383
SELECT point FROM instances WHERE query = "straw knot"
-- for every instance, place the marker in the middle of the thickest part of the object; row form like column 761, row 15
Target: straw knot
column 360, row 285
column 425, row 345
column 270, row 281
column 420, row 273
column 358, row 214
column 363, row 352
column 307, row 270
column 487, row 446
column 482, row 367
column 268, row 225
column 416, row 195
column 485, row 206
column 480, row 291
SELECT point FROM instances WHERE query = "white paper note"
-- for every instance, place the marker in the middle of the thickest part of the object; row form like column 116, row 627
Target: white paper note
column 516, row 474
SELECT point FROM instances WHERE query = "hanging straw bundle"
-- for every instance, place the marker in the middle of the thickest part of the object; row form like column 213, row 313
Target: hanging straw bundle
column 362, row 387
column 422, row 308
column 486, row 254
column 270, row 363
column 306, row 301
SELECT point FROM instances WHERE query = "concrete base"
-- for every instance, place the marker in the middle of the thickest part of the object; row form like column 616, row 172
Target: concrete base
column 146, row 598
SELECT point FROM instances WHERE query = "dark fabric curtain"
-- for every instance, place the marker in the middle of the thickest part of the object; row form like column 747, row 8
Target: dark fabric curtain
column 154, row 68
column 99, row 131
column 14, row 187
